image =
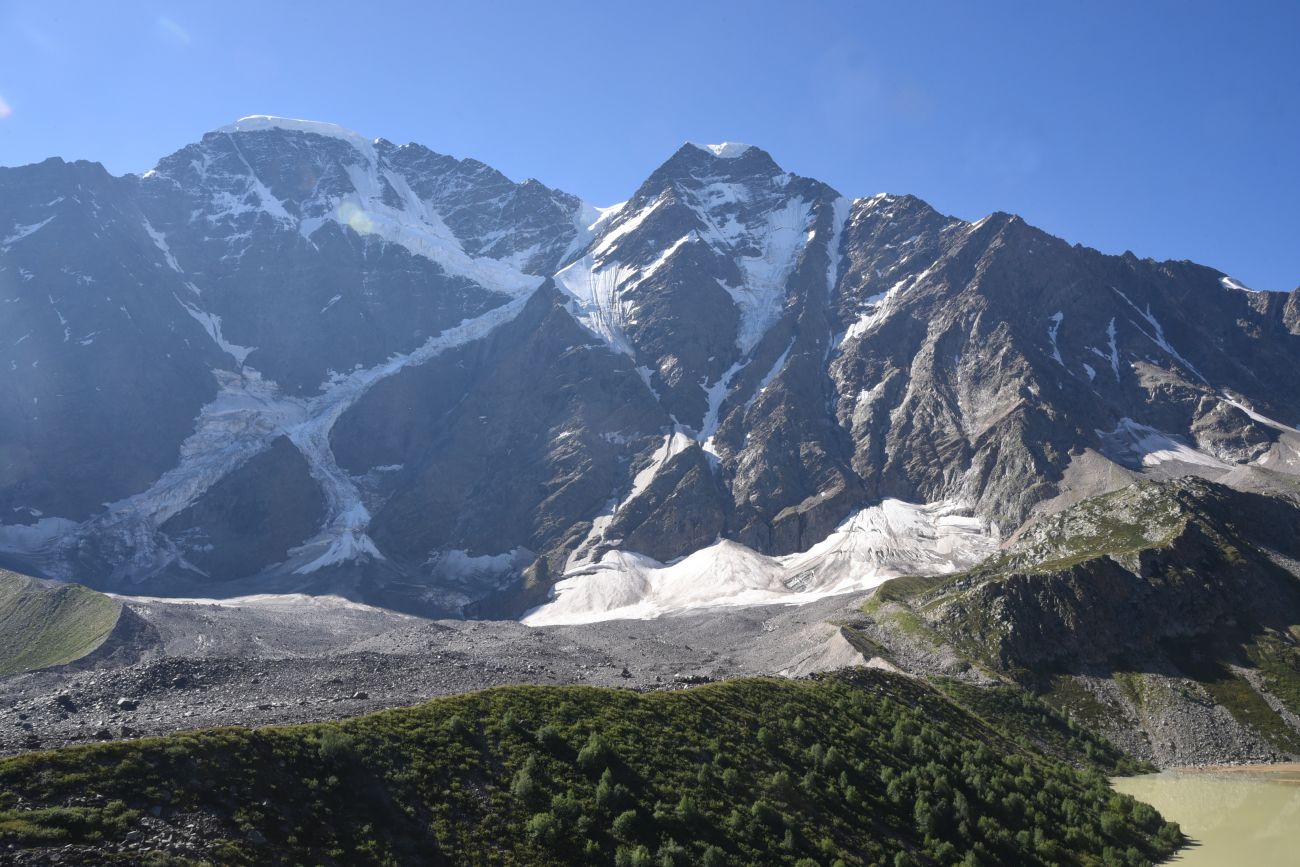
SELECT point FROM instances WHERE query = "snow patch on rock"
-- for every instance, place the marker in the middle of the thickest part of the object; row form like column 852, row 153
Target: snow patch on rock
column 212, row 325
column 873, row 545
column 1137, row 445
column 727, row 150
column 20, row 232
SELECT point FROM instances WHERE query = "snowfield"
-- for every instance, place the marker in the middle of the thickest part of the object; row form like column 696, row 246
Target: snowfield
column 1138, row 445
column 875, row 544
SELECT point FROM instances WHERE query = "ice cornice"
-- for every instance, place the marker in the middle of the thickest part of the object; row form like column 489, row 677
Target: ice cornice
column 260, row 122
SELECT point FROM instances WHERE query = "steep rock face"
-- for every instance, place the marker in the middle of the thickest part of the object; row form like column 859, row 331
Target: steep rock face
column 437, row 384
column 1108, row 581
column 982, row 374
column 527, row 224
column 715, row 279
column 250, row 518
column 1291, row 312
column 507, row 443
column 93, row 335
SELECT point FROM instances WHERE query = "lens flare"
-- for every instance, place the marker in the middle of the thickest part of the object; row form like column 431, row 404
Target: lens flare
column 5, row 109
column 352, row 214
column 173, row 32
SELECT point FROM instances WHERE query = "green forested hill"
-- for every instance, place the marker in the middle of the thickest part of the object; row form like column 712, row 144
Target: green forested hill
column 858, row 768
column 49, row 624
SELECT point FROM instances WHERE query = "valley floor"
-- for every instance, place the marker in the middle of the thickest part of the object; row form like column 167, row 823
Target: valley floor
column 175, row 666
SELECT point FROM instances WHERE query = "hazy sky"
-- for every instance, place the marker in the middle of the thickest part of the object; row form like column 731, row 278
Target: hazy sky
column 1168, row 128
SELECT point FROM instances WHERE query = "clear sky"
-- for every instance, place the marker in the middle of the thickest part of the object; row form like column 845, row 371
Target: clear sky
column 1168, row 128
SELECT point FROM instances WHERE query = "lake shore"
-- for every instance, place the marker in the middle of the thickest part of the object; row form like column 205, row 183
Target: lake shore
column 1232, row 814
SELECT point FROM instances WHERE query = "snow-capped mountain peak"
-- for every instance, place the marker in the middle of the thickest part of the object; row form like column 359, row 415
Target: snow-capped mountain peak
column 727, row 150
column 260, row 122
column 689, row 277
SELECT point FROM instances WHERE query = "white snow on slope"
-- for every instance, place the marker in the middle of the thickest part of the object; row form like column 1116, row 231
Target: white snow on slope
column 1262, row 419
column 294, row 601
column 877, row 543
column 412, row 223
column 667, row 254
column 728, row 150
column 1114, row 348
column 344, row 537
column 249, row 412
column 765, row 249
column 716, row 395
column 1134, row 445
column 1052, row 330
column 256, row 122
column 34, row 538
column 841, row 211
column 160, row 241
column 773, row 372
column 781, row 233
column 1158, row 338
column 609, row 239
column 590, row 221
column 1229, row 283
column 597, row 300
column 417, row 227
column 674, row 443
column 879, row 305
column 596, row 283
column 894, row 538
column 20, row 232
column 457, row 565
column 212, row 325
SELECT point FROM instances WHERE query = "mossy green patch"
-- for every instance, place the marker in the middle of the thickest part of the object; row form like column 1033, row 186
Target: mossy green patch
column 1277, row 656
column 1034, row 722
column 50, row 624
column 1132, row 685
column 1071, row 697
column 1235, row 694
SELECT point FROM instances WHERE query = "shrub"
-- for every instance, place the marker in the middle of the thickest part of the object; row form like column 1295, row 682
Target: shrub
column 632, row 856
column 765, row 814
column 626, row 826
column 673, row 854
column 595, row 755
column 611, row 796
column 524, row 786
column 713, row 857
column 550, row 739
column 335, row 745
column 544, row 828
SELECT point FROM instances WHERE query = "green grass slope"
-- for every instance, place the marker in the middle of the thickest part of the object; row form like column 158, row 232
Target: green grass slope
column 857, row 768
column 49, row 624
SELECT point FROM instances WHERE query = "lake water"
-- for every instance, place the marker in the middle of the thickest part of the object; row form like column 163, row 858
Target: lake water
column 1236, row 816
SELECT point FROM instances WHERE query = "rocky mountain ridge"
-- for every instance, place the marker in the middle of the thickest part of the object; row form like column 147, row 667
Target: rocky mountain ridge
column 1165, row 615
column 293, row 359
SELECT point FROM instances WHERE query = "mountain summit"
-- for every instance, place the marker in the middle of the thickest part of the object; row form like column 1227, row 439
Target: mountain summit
column 292, row 358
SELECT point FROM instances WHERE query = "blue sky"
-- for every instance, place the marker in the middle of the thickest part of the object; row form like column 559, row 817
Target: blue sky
column 1168, row 128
